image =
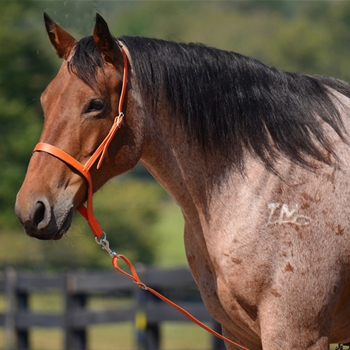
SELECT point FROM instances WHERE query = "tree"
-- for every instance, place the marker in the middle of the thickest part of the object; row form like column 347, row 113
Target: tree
column 310, row 37
column 24, row 70
column 27, row 63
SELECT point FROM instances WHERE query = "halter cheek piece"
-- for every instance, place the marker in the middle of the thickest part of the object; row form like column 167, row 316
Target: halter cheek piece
column 84, row 170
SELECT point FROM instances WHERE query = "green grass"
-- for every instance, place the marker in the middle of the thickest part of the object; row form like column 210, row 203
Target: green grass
column 169, row 232
column 121, row 337
column 175, row 337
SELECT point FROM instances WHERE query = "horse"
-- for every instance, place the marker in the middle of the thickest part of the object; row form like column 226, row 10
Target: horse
column 256, row 158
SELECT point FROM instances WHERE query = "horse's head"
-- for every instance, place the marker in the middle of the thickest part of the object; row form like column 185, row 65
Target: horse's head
column 80, row 105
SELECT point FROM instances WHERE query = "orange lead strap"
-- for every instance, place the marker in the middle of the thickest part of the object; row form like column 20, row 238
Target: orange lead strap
column 88, row 212
column 134, row 276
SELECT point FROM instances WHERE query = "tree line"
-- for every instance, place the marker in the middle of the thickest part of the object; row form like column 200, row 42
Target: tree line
column 309, row 37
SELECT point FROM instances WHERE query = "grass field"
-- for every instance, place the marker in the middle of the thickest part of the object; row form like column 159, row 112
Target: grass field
column 121, row 337
column 169, row 232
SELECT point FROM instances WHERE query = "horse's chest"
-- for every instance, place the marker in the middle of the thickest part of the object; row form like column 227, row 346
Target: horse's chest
column 233, row 301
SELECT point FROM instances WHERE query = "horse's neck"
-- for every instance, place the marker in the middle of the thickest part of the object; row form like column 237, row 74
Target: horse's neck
column 198, row 183
column 203, row 185
column 179, row 169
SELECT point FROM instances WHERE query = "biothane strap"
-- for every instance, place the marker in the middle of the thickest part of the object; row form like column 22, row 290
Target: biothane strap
column 134, row 276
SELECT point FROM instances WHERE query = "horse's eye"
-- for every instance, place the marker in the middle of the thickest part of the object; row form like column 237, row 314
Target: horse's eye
column 95, row 106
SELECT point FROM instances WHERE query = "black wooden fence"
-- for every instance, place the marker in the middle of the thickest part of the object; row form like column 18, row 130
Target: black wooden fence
column 77, row 287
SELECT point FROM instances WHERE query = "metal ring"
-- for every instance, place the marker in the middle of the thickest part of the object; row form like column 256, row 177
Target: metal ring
column 141, row 285
column 100, row 241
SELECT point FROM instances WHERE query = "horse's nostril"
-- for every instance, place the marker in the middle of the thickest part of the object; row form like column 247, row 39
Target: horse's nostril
column 39, row 213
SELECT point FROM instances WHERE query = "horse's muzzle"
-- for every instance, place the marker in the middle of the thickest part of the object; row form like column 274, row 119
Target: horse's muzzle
column 43, row 221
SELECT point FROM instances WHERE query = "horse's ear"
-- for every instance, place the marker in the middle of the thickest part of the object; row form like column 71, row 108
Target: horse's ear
column 62, row 41
column 105, row 42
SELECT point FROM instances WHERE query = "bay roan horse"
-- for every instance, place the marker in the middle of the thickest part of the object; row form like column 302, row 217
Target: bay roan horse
column 258, row 160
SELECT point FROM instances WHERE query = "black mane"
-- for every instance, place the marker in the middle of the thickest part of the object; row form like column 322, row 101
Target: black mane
column 228, row 102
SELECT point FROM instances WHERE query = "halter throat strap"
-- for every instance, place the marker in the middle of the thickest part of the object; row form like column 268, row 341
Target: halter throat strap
column 87, row 212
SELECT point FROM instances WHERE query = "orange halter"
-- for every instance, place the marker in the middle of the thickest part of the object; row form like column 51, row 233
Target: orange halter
column 88, row 213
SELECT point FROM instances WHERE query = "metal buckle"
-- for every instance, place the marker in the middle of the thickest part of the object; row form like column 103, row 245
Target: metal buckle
column 103, row 242
column 120, row 116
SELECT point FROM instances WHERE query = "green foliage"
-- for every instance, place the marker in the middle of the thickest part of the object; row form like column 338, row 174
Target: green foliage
column 127, row 210
column 24, row 70
column 310, row 37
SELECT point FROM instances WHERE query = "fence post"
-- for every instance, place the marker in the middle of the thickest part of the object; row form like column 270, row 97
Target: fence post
column 147, row 334
column 140, row 319
column 22, row 334
column 75, row 339
column 217, row 343
column 10, row 318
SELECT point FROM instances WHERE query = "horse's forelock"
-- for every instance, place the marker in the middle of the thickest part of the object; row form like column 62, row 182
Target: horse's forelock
column 85, row 61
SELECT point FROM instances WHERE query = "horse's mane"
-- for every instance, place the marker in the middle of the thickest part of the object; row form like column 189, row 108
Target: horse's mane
column 228, row 102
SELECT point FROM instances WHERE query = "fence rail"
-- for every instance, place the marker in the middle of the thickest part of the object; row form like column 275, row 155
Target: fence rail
column 77, row 287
